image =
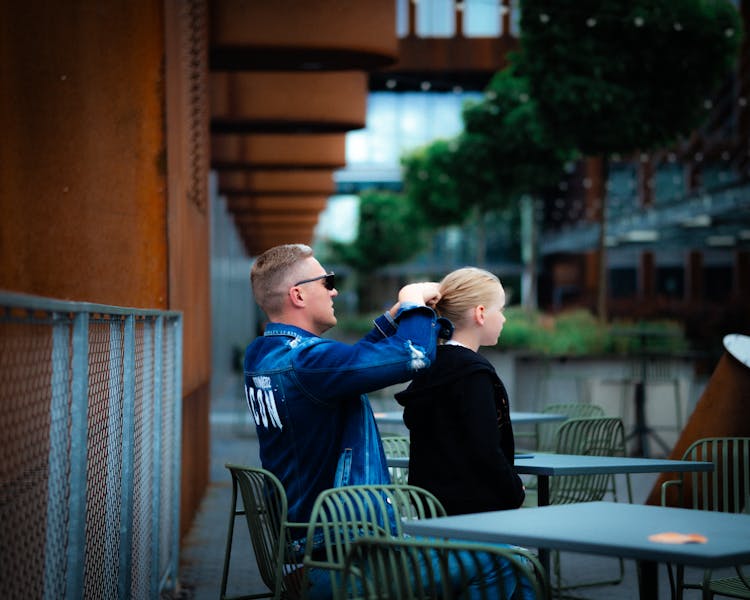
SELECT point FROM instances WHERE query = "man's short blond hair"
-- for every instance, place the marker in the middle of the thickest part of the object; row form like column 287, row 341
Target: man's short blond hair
column 271, row 273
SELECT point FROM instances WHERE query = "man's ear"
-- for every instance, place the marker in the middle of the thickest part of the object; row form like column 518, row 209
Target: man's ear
column 296, row 297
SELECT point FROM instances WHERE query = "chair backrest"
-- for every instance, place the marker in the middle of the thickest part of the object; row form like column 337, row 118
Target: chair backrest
column 265, row 503
column 727, row 488
column 342, row 515
column 391, row 569
column 546, row 432
column 397, row 446
column 593, row 436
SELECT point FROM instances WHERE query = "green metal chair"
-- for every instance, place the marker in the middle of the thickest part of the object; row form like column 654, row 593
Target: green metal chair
column 592, row 436
column 344, row 514
column 264, row 506
column 384, row 569
column 397, row 446
column 546, row 432
column 725, row 489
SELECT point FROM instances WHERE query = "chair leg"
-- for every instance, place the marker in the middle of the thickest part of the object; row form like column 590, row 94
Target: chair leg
column 230, row 534
column 678, row 405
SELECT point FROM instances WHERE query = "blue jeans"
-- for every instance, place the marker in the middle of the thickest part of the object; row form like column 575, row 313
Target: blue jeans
column 482, row 578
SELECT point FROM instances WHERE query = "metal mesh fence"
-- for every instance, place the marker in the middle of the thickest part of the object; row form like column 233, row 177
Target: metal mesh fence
column 90, row 452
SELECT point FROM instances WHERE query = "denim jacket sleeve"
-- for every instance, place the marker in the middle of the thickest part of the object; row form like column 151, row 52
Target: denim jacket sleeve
column 391, row 353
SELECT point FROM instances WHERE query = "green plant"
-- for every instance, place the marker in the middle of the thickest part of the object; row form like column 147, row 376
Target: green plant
column 572, row 333
column 579, row 333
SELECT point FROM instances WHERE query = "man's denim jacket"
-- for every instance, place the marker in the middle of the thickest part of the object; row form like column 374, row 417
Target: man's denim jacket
column 316, row 428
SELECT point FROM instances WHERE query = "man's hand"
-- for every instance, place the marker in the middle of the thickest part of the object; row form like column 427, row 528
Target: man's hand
column 424, row 292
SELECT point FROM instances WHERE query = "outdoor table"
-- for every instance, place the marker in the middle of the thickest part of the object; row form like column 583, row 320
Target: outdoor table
column 396, row 417
column 545, row 465
column 607, row 528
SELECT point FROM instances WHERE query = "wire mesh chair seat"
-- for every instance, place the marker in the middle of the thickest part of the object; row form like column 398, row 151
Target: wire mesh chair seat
column 725, row 489
column 590, row 436
column 344, row 514
column 264, row 506
column 397, row 446
column 429, row 568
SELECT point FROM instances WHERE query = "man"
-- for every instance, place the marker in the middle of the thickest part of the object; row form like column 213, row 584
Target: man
column 315, row 425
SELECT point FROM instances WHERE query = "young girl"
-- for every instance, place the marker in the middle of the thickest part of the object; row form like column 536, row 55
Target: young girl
column 457, row 410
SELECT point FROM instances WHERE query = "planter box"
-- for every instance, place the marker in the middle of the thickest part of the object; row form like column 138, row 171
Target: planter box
column 534, row 381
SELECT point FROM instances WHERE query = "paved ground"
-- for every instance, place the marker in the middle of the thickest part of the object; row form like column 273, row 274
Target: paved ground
column 202, row 552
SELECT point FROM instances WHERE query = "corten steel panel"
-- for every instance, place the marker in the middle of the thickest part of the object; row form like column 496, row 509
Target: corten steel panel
column 288, row 102
column 257, row 243
column 282, row 204
column 188, row 224
column 278, row 150
column 318, row 181
column 723, row 410
column 195, row 452
column 303, row 34
column 81, row 115
column 460, row 54
column 275, row 219
column 187, row 229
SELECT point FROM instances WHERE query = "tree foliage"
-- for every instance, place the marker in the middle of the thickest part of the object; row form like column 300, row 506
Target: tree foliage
column 524, row 159
column 612, row 76
column 389, row 232
column 618, row 77
column 449, row 181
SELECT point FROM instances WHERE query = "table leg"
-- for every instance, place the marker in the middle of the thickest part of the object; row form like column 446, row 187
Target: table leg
column 542, row 499
column 648, row 580
column 641, row 430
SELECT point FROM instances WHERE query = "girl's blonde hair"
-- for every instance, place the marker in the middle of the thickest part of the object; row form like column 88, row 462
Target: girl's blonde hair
column 463, row 289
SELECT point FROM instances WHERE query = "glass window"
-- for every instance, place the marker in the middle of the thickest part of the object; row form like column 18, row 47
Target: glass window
column 436, row 18
column 401, row 121
column 670, row 282
column 623, row 282
column 402, row 18
column 482, row 18
column 670, row 182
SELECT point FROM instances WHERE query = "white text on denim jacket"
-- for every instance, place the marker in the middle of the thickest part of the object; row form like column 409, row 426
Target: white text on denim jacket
column 262, row 402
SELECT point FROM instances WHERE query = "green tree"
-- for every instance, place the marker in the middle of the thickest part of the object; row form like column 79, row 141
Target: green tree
column 618, row 77
column 389, row 232
column 451, row 182
column 524, row 159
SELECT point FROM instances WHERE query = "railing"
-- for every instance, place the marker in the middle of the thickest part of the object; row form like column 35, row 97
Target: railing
column 90, row 430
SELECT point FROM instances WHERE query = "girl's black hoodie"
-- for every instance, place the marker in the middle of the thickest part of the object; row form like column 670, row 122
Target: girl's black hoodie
column 462, row 443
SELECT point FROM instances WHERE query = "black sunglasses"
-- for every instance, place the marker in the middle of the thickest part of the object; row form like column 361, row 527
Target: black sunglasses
column 329, row 280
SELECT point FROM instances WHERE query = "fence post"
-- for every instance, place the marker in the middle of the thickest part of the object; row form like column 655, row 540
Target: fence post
column 78, row 457
column 58, row 462
column 156, row 516
column 177, row 450
column 128, row 434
